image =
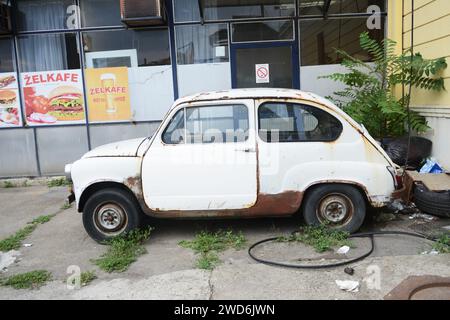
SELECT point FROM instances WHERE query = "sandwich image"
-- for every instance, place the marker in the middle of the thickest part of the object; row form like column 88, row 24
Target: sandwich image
column 66, row 103
column 6, row 81
column 7, row 97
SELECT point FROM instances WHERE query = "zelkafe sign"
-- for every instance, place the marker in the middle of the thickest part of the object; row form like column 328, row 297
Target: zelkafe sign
column 53, row 97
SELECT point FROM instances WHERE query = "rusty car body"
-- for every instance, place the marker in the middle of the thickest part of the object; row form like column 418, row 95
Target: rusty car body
column 296, row 151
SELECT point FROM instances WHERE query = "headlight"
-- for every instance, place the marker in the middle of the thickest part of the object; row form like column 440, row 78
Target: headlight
column 68, row 172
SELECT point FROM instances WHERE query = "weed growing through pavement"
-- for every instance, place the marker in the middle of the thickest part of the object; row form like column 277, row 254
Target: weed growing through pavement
column 66, row 206
column 442, row 244
column 29, row 280
column 14, row 241
column 58, row 182
column 85, row 278
column 8, row 184
column 208, row 245
column 321, row 238
column 123, row 250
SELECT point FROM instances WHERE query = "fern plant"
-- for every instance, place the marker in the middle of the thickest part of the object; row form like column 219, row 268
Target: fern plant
column 368, row 96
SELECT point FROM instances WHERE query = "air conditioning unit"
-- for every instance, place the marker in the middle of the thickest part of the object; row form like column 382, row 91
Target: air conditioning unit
column 139, row 13
column 5, row 19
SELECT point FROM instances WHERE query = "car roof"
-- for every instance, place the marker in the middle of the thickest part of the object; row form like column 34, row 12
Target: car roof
column 254, row 93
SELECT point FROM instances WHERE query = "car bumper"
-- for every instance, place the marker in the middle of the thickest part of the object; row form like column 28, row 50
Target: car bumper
column 71, row 197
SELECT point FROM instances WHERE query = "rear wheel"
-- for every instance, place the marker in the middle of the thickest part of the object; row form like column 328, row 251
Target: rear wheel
column 341, row 207
column 109, row 213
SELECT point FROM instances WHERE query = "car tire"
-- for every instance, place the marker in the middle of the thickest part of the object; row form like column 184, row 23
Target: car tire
column 111, row 212
column 435, row 203
column 339, row 206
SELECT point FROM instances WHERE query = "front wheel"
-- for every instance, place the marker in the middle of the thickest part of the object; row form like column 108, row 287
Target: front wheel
column 109, row 213
column 341, row 207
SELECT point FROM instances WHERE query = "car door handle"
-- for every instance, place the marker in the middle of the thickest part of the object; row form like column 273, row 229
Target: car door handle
column 248, row 150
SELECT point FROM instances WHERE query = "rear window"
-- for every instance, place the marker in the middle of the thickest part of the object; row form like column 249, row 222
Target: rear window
column 291, row 122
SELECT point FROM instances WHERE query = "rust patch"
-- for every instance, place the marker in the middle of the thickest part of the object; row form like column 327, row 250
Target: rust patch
column 267, row 205
column 135, row 185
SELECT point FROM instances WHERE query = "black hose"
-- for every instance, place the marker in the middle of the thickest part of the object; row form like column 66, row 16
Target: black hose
column 369, row 235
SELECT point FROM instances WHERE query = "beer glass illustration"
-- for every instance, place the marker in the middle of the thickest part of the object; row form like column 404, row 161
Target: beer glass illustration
column 108, row 81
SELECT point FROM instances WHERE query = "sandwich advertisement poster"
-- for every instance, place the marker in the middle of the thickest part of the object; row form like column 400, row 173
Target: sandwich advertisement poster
column 9, row 101
column 108, row 94
column 53, row 97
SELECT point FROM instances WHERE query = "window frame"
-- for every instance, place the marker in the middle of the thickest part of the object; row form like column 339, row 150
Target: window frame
column 300, row 104
column 184, row 107
column 292, row 20
column 205, row 20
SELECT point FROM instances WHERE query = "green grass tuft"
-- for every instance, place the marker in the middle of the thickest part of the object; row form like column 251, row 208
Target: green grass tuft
column 8, row 184
column 321, row 238
column 58, row 182
column 123, row 251
column 442, row 244
column 208, row 244
column 14, row 241
column 29, row 280
column 66, row 206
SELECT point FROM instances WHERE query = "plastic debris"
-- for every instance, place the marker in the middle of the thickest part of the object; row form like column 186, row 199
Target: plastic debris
column 431, row 166
column 423, row 216
column 432, row 252
column 348, row 285
column 396, row 205
column 419, row 149
column 7, row 259
column 343, row 250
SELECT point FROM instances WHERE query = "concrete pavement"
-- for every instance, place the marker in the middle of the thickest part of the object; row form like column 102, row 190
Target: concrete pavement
column 167, row 271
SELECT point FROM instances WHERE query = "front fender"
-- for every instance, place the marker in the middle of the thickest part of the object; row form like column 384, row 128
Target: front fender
column 122, row 170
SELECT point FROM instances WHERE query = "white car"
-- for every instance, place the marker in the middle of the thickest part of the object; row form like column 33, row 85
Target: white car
column 237, row 153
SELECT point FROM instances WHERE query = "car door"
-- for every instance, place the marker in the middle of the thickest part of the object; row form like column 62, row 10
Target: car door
column 203, row 158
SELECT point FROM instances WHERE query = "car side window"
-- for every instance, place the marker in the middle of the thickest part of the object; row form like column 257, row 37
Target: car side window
column 217, row 124
column 291, row 122
column 174, row 132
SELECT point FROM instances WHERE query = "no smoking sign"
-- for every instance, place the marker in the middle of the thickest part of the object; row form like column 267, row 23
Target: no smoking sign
column 262, row 73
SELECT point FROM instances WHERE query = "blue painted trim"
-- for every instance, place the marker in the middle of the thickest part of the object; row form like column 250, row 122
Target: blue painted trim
column 173, row 51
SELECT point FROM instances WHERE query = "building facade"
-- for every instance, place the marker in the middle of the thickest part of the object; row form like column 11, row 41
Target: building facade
column 74, row 75
column 431, row 37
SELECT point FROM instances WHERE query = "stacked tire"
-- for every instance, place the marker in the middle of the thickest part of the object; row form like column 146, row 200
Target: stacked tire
column 435, row 203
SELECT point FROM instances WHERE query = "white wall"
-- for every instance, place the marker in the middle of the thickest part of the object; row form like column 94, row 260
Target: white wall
column 309, row 79
column 194, row 78
column 151, row 92
column 440, row 134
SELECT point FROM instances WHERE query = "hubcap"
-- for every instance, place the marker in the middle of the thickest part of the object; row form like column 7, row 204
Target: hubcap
column 110, row 218
column 336, row 209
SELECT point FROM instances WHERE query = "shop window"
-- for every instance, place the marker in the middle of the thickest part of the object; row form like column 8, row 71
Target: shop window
column 217, row 124
column 188, row 10
column 308, row 7
column 319, row 40
column 129, row 48
column 128, row 74
column 100, row 13
column 32, row 15
column 202, row 44
column 9, row 93
column 288, row 122
column 44, row 52
column 263, row 31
